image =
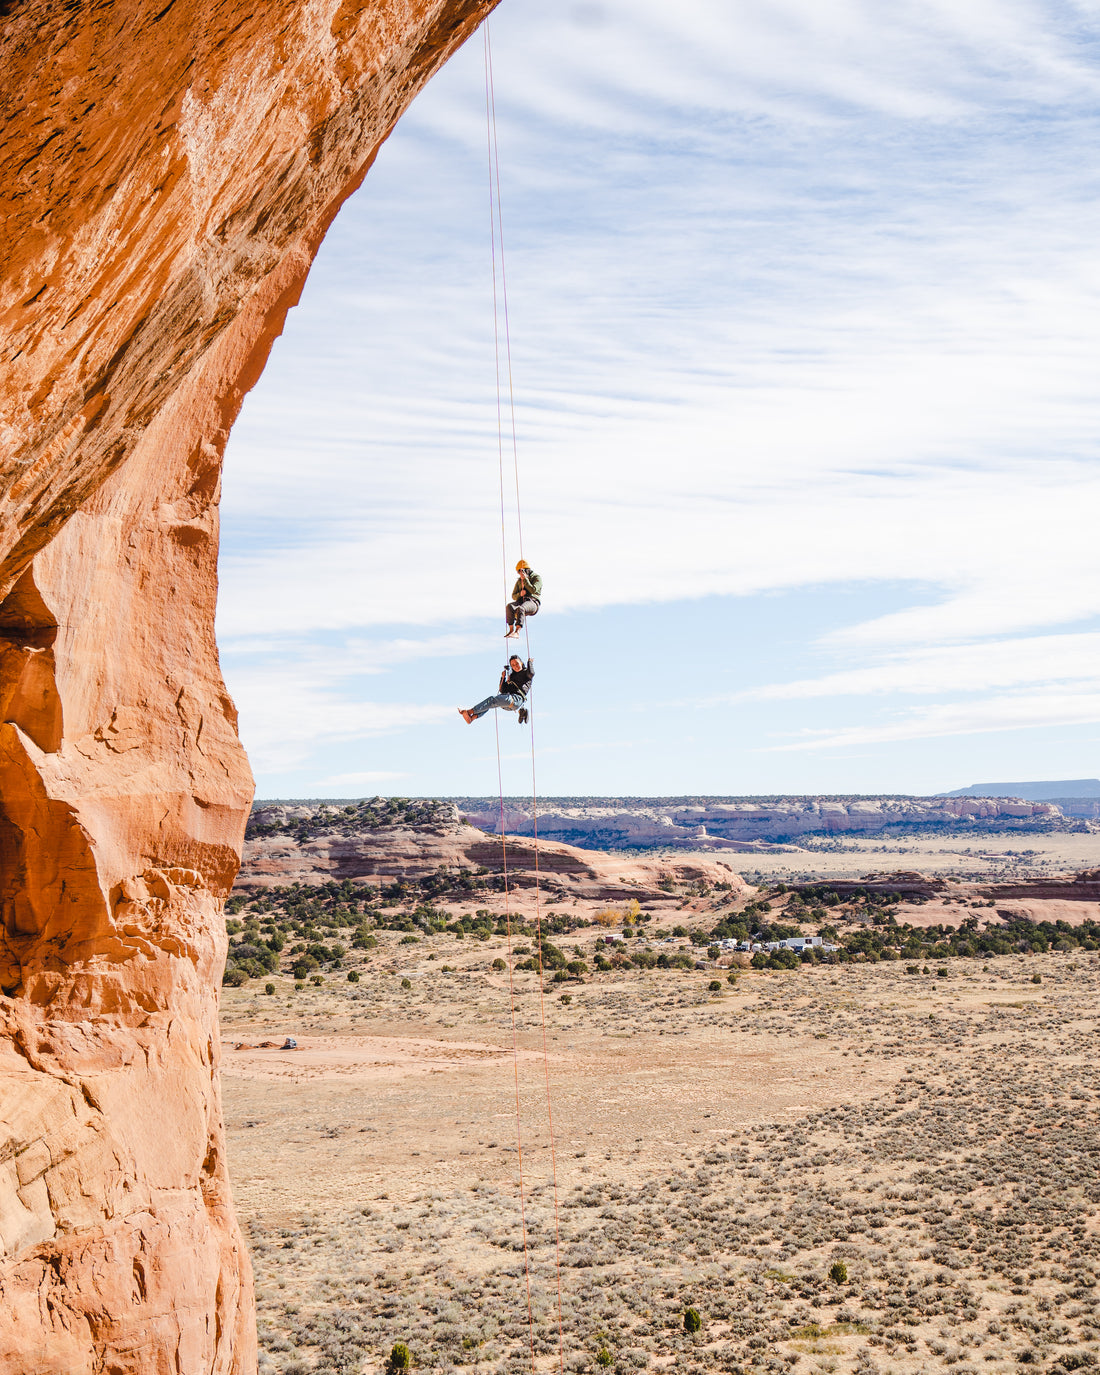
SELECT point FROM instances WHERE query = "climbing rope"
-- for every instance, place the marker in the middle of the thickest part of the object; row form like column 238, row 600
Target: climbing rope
column 515, row 1050
column 500, row 314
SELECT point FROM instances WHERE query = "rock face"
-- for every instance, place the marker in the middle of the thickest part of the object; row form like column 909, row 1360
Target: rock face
column 169, row 169
column 747, row 824
column 310, row 844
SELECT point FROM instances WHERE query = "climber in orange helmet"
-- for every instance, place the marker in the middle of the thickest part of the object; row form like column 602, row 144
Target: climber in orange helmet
column 526, row 596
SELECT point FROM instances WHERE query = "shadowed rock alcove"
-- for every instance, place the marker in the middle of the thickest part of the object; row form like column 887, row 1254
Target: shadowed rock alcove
column 169, row 170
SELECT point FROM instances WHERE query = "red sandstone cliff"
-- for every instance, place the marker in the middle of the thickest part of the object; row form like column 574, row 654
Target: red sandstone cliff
column 168, row 171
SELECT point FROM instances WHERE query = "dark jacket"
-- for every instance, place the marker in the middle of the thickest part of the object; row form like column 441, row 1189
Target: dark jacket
column 517, row 683
column 528, row 587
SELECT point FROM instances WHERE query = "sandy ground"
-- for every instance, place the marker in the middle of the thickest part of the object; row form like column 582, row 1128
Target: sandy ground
column 935, row 1135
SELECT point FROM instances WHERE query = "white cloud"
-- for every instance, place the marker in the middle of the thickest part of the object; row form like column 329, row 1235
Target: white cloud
column 317, row 662
column 1002, row 713
column 367, row 778
column 1053, row 660
column 285, row 727
column 802, row 294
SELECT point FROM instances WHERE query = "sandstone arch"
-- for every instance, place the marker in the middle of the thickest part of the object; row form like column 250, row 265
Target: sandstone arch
column 169, row 168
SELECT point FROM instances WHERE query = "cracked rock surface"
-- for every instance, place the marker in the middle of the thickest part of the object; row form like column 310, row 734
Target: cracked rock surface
column 168, row 172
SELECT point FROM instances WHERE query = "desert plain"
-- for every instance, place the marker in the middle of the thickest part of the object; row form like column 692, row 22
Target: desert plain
column 854, row 1167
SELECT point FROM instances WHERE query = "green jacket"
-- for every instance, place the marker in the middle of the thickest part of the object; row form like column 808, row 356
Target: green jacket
column 528, row 585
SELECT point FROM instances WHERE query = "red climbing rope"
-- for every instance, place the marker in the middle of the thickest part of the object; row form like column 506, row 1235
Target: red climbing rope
column 515, row 1050
column 497, row 236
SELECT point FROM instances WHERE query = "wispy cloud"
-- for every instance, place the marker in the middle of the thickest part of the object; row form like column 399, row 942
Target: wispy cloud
column 1053, row 660
column 803, row 294
column 991, row 714
column 366, row 778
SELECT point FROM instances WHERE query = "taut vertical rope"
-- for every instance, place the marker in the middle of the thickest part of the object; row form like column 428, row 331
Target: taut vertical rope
column 496, row 724
column 497, row 229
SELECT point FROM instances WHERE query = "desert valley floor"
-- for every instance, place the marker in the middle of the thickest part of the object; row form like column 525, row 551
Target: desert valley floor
column 715, row 1148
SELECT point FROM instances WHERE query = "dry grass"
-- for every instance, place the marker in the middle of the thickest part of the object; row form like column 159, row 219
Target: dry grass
column 935, row 1134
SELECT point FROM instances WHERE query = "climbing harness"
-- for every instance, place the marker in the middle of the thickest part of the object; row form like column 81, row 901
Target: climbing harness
column 524, row 715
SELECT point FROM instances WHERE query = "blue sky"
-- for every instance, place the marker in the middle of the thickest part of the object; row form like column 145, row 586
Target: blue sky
column 804, row 305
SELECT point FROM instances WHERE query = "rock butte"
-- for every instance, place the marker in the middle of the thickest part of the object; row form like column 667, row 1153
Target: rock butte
column 169, row 170
column 747, row 825
column 413, row 851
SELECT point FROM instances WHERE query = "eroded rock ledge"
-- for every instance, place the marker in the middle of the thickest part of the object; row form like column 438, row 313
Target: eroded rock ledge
column 168, row 171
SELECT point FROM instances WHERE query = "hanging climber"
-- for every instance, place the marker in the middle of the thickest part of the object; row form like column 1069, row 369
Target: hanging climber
column 515, row 683
column 525, row 598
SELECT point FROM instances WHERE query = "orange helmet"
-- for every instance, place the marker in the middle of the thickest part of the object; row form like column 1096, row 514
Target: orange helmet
column 522, row 565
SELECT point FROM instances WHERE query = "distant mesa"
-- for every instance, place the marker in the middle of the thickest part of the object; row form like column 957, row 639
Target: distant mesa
column 1033, row 792
column 748, row 824
column 742, row 825
column 1074, row 797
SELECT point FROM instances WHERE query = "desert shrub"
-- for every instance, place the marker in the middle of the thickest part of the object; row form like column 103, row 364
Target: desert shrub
column 552, row 957
column 498, row 964
column 1036, row 978
column 269, row 988
column 409, row 940
column 577, row 968
column 604, row 1357
column 713, row 952
column 760, row 960
column 317, row 980
column 611, row 916
column 679, row 931
column 783, row 959
column 681, row 960
column 406, row 983
column 692, row 1320
column 400, row 1358
column 604, row 965
column 645, row 959
column 714, row 986
column 353, row 976
column 567, row 998
column 303, row 966
column 941, row 973
column 363, row 940
column 912, row 968
column 731, row 978
column 234, row 977
column 838, row 1272
column 298, row 986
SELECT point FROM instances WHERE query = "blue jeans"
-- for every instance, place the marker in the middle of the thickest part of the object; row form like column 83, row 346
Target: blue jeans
column 504, row 700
